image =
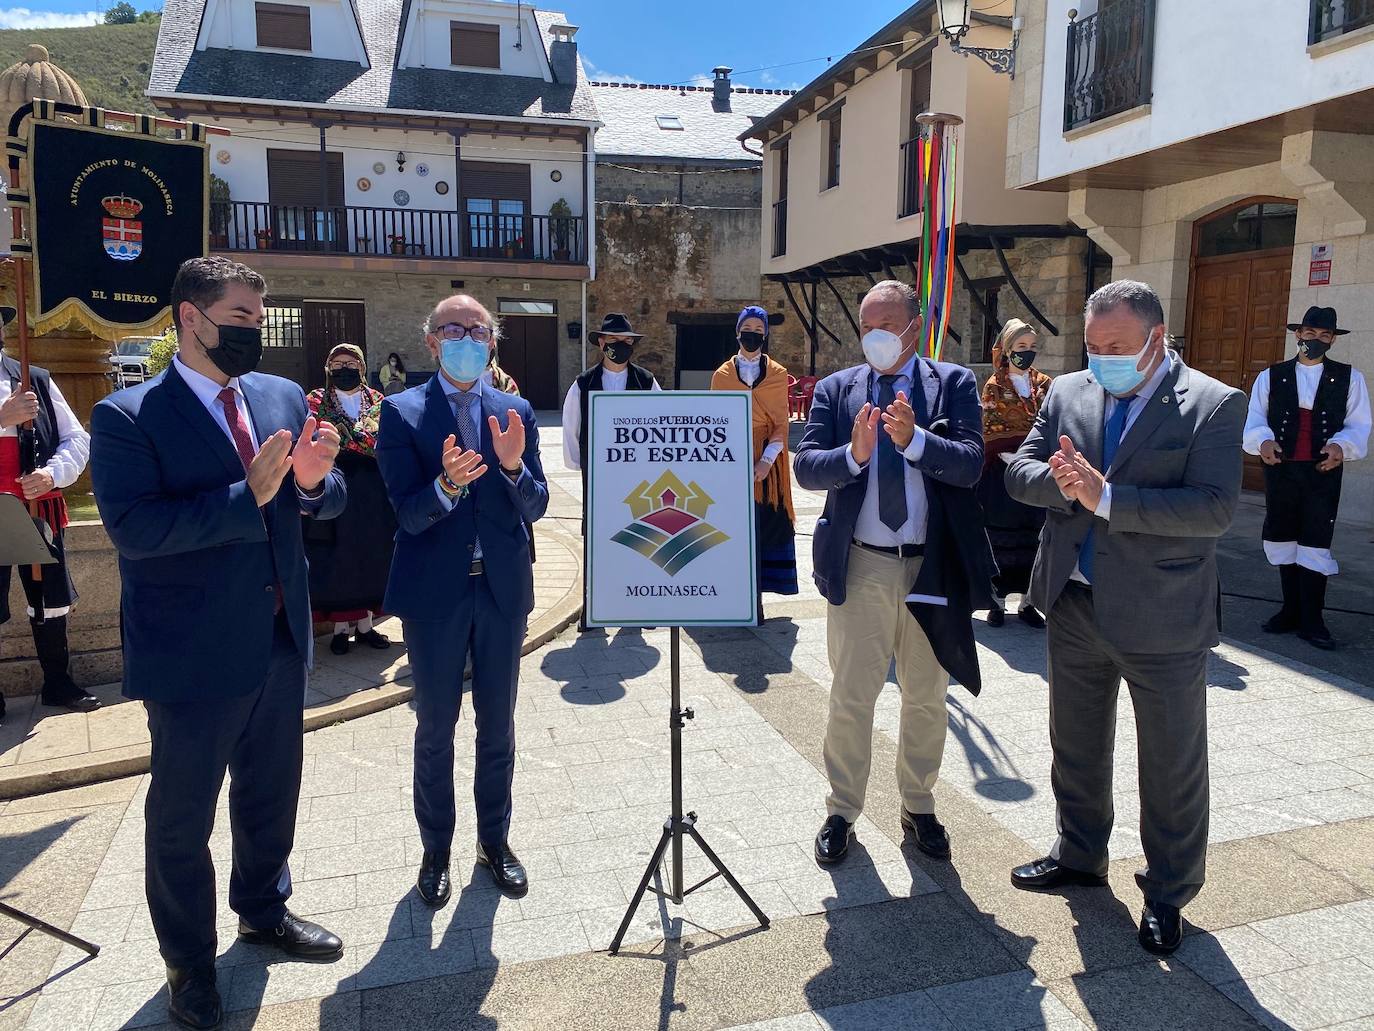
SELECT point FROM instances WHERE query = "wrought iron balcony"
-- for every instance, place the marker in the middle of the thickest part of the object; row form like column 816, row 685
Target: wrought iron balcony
column 1332, row 18
column 780, row 227
column 1109, row 61
column 911, row 180
column 397, row 232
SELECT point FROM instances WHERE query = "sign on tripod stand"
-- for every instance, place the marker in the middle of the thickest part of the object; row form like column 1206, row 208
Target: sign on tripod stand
column 670, row 528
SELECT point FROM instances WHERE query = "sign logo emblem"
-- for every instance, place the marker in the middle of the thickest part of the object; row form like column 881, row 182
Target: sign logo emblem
column 669, row 526
column 122, row 232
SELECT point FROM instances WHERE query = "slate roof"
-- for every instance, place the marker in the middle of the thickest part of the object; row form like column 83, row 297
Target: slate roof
column 178, row 68
column 630, row 129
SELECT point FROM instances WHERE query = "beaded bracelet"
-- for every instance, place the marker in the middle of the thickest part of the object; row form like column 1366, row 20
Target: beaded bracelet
column 453, row 490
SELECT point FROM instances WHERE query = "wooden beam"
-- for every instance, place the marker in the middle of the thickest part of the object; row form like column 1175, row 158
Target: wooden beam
column 1016, row 288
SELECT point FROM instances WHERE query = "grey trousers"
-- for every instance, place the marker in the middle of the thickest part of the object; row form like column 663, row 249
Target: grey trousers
column 1169, row 695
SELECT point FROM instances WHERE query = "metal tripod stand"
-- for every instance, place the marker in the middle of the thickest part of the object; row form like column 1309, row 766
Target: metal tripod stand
column 677, row 823
column 32, row 923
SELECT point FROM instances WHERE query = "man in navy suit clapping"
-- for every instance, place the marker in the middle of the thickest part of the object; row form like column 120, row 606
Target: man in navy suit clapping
column 461, row 463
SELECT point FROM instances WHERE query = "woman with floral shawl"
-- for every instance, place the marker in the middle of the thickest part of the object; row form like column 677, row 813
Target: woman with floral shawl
column 350, row 556
column 752, row 370
column 1012, row 396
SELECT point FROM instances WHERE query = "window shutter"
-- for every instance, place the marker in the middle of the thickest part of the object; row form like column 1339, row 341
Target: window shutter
column 293, row 178
column 496, row 180
column 284, row 26
column 475, row 45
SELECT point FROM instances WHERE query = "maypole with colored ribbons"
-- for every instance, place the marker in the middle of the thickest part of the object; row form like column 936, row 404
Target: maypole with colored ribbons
column 937, row 165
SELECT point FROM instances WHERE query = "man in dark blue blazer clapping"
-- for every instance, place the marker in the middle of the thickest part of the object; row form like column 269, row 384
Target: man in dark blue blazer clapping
column 201, row 475
column 461, row 463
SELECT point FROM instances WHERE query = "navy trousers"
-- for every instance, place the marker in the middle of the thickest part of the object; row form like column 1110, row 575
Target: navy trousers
column 438, row 654
column 256, row 737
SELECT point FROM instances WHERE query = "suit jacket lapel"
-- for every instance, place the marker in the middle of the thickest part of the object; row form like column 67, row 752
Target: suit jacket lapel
column 490, row 406
column 926, row 401
column 1156, row 408
column 260, row 410
column 186, row 402
column 855, row 396
column 1093, row 412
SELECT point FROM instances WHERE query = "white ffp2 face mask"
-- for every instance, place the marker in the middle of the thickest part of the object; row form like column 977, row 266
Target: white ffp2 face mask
column 882, row 347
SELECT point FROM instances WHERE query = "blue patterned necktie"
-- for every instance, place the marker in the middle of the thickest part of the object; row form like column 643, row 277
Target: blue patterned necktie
column 463, row 402
column 891, row 466
column 1111, row 440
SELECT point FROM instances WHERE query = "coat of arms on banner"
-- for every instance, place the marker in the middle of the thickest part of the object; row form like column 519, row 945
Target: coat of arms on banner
column 669, row 527
column 123, row 233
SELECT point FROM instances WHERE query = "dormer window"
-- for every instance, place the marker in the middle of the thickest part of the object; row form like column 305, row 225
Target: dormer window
column 475, row 45
column 669, row 122
column 283, row 26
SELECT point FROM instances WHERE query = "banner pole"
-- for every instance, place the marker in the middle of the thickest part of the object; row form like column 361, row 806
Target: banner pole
column 675, row 675
column 21, row 318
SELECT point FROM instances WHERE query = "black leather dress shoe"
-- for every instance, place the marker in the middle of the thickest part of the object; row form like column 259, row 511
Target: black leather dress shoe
column 506, row 870
column 1031, row 617
column 832, row 842
column 1047, row 875
column 374, row 639
column 996, row 617
column 338, row 644
column 298, row 938
column 64, row 694
column 1319, row 638
column 434, row 884
column 193, row 998
column 1280, row 623
column 930, row 834
column 1161, row 928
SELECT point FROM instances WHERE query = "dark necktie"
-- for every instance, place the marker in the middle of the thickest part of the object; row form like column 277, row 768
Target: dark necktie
column 243, row 444
column 1111, row 440
column 891, row 465
column 463, row 402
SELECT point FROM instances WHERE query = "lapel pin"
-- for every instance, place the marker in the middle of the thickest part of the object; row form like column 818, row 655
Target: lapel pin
column 1164, row 400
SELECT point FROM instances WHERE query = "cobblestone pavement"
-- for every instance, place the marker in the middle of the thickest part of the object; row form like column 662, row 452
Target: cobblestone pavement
column 1281, row 936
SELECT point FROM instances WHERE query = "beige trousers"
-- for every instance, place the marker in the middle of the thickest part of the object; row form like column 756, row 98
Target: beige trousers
column 863, row 636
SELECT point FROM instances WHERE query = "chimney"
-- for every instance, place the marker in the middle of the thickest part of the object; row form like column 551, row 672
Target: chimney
column 563, row 53
column 721, row 86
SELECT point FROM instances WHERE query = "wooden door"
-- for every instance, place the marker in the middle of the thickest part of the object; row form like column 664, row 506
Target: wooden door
column 325, row 324
column 529, row 352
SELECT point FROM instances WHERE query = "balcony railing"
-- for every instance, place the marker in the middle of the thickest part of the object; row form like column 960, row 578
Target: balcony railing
column 1109, row 61
column 911, row 180
column 397, row 232
column 780, row 227
column 1332, row 18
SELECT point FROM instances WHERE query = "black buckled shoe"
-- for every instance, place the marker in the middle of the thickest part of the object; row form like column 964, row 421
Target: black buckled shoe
column 298, row 938
column 374, row 639
column 832, row 841
column 64, row 694
column 506, row 870
column 1281, row 622
column 434, row 884
column 1161, row 928
column 930, row 833
column 338, row 644
column 193, row 998
column 1047, row 875
column 1319, row 637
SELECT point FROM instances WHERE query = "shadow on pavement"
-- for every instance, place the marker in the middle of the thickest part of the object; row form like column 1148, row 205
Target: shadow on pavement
column 995, row 771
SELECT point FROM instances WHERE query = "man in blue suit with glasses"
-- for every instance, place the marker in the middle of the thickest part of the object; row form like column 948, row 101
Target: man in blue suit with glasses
column 461, row 464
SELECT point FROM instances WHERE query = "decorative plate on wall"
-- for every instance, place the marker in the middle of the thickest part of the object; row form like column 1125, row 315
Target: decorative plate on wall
column 378, row 168
column 441, row 188
column 401, row 197
column 222, row 157
column 364, row 184
column 556, row 176
column 422, row 170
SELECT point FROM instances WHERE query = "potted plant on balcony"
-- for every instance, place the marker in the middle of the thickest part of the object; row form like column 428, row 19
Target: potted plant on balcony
column 513, row 247
column 219, row 213
column 263, row 238
column 396, row 242
column 560, row 229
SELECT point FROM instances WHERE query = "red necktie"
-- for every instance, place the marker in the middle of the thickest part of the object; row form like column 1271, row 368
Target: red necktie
column 243, row 443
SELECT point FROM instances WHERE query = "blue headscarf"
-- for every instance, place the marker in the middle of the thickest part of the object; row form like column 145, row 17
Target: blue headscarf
column 753, row 311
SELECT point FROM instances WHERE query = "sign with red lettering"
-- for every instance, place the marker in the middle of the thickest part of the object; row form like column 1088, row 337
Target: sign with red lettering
column 1319, row 271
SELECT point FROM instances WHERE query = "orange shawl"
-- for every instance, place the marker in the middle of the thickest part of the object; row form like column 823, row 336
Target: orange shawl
column 771, row 421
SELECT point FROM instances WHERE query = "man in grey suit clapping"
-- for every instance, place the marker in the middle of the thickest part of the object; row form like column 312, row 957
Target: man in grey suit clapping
column 1138, row 462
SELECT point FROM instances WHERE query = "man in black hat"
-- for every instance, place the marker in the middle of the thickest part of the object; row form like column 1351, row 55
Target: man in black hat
column 1308, row 417
column 35, row 466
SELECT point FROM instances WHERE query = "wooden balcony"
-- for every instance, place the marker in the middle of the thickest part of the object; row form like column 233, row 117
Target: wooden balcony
column 390, row 234
column 1109, row 62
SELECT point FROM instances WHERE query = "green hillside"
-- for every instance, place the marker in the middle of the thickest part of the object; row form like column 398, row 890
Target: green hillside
column 111, row 62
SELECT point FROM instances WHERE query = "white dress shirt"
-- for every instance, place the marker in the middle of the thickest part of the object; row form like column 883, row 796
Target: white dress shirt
column 572, row 413
column 870, row 529
column 749, row 371
column 351, row 404
column 1353, row 437
column 1020, row 382
column 73, row 442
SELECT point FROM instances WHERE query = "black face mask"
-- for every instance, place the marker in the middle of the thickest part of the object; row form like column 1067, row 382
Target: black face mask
column 345, row 379
column 618, row 351
column 1022, row 359
column 751, row 341
column 1314, row 348
column 239, row 349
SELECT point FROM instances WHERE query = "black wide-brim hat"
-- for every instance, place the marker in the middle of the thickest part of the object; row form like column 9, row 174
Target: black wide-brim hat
column 1319, row 318
column 615, row 324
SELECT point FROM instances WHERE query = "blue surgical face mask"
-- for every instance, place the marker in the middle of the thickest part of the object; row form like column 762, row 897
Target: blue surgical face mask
column 1117, row 373
column 464, row 360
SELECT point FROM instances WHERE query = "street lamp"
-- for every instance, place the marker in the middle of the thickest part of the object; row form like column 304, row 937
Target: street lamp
column 954, row 23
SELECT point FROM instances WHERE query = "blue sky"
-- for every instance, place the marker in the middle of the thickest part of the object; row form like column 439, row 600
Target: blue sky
column 649, row 40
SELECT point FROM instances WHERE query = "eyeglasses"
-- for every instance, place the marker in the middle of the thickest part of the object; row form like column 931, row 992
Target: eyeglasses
column 345, row 365
column 457, row 331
